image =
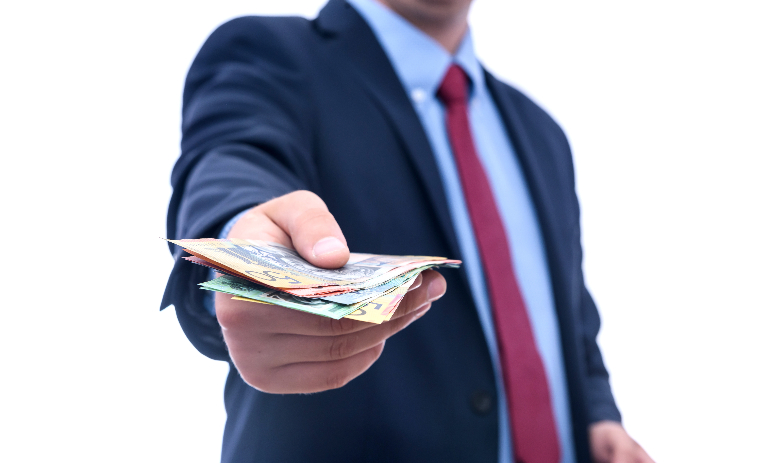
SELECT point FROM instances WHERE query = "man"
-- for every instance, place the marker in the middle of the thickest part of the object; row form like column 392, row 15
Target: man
column 374, row 128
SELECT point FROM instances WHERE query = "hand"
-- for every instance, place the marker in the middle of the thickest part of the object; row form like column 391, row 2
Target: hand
column 610, row 443
column 280, row 350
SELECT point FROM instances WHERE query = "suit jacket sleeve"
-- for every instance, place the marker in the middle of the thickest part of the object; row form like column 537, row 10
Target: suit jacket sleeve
column 599, row 400
column 601, row 403
column 246, row 138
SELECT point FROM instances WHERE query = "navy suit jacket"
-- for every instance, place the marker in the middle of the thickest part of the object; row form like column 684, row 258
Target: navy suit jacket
column 273, row 105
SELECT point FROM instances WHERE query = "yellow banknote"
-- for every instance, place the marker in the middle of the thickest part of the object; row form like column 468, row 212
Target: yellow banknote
column 277, row 266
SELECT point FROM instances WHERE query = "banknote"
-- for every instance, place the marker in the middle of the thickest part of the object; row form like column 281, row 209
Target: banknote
column 339, row 294
column 383, row 279
column 374, row 292
column 368, row 288
column 373, row 312
column 379, row 310
column 277, row 266
column 245, row 289
column 212, row 266
column 330, row 293
column 382, row 309
column 414, row 266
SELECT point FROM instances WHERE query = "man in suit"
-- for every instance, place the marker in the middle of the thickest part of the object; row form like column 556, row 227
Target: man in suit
column 374, row 128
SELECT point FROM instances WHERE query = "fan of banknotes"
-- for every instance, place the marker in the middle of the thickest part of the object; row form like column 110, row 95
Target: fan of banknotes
column 368, row 288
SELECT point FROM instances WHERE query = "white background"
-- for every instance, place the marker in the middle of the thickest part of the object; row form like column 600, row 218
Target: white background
column 666, row 105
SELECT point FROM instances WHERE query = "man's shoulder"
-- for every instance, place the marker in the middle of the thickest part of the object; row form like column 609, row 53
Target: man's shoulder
column 266, row 44
column 260, row 32
column 531, row 113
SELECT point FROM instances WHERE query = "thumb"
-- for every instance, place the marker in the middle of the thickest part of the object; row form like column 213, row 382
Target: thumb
column 314, row 232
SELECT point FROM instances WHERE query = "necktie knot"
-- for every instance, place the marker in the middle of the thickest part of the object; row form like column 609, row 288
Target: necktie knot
column 454, row 87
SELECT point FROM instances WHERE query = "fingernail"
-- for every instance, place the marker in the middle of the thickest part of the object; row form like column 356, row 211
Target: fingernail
column 327, row 245
column 436, row 289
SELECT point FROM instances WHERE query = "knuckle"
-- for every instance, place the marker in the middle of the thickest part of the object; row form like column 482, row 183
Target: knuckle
column 313, row 219
column 333, row 326
column 304, row 195
column 341, row 326
column 314, row 214
column 307, row 198
column 342, row 347
column 348, row 325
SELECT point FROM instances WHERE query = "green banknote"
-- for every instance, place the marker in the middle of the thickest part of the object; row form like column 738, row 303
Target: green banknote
column 239, row 287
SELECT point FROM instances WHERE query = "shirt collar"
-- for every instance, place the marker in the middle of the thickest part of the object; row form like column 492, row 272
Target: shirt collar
column 420, row 62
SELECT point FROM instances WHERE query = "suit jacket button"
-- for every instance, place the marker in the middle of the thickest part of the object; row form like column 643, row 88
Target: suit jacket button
column 481, row 402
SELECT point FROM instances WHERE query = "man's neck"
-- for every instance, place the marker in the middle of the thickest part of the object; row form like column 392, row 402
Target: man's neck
column 447, row 31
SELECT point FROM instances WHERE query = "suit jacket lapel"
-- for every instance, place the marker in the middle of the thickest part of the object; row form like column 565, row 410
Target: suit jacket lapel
column 368, row 60
column 542, row 191
column 538, row 183
column 558, row 252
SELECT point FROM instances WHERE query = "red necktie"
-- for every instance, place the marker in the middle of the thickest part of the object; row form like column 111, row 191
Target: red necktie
column 529, row 402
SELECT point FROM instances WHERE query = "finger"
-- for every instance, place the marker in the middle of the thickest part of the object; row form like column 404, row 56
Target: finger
column 287, row 349
column 319, row 376
column 432, row 288
column 255, row 225
column 623, row 456
column 629, row 451
column 642, row 456
column 313, row 230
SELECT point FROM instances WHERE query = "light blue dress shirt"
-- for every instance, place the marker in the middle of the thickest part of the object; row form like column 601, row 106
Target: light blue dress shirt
column 420, row 63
